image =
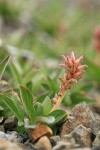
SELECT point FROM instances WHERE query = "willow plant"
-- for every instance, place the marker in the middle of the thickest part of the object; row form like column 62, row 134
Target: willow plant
column 30, row 112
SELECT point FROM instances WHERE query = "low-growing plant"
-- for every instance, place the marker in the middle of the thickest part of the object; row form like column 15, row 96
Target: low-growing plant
column 3, row 109
column 30, row 112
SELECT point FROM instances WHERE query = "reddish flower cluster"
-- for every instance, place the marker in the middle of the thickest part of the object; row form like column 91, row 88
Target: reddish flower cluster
column 96, row 38
column 73, row 71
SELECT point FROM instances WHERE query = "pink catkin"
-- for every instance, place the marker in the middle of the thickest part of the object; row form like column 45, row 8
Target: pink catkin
column 73, row 70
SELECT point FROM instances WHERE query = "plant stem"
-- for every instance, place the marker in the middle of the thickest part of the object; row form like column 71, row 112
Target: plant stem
column 58, row 101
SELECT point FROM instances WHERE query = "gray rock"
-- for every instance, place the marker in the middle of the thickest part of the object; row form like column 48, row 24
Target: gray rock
column 7, row 145
column 3, row 135
column 81, row 149
column 10, row 122
column 95, row 124
column 44, row 143
column 61, row 145
column 69, row 139
column 80, row 114
column 80, row 136
column 11, row 136
column 54, row 140
column 29, row 146
column 96, row 142
column 96, row 148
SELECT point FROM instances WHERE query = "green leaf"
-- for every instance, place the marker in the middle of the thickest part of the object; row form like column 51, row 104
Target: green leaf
column 15, row 73
column 37, row 80
column 5, row 112
column 87, row 88
column 45, row 86
column 3, row 65
column 27, row 101
column 87, row 100
column 52, row 84
column 20, row 123
column 38, row 109
column 1, row 119
column 54, row 129
column 47, row 105
column 48, row 120
column 81, row 99
column 59, row 115
column 41, row 97
column 93, row 70
column 28, row 77
column 16, row 109
column 21, row 130
column 77, row 98
column 29, row 86
column 1, row 108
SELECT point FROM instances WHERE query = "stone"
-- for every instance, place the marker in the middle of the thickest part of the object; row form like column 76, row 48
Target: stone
column 97, row 107
column 24, row 137
column 95, row 124
column 10, row 122
column 40, row 130
column 61, row 145
column 7, row 145
column 80, row 114
column 80, row 136
column 44, row 143
column 96, row 142
column 81, row 149
column 54, row 139
column 95, row 94
column 11, row 136
column 14, row 137
column 29, row 146
column 96, row 148
column 69, row 139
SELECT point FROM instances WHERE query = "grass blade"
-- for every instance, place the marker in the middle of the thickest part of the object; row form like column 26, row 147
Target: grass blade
column 3, row 65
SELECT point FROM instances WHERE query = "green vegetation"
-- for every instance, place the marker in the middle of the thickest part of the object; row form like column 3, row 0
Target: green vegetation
column 34, row 34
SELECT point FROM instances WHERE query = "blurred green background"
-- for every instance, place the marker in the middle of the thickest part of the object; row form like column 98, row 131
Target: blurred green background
column 49, row 28
column 37, row 32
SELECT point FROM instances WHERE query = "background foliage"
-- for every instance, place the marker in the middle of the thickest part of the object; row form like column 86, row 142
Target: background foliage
column 36, row 33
